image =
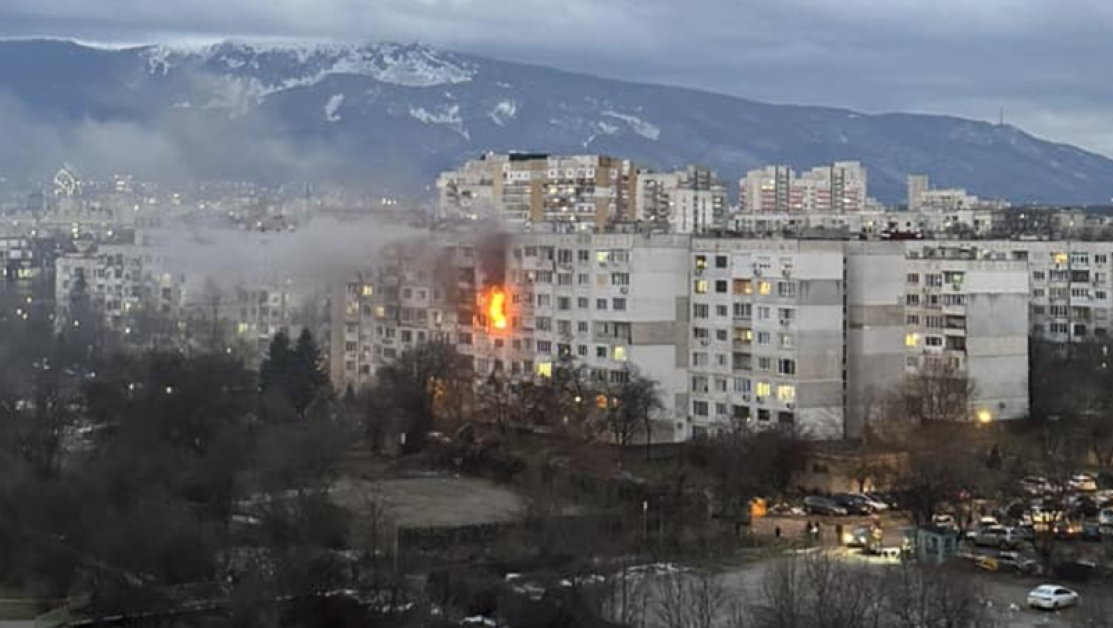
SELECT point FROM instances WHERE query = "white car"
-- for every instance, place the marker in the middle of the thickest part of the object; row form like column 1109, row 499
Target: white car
column 1084, row 483
column 1051, row 597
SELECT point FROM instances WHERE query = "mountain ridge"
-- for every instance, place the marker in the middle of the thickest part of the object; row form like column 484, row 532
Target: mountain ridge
column 406, row 111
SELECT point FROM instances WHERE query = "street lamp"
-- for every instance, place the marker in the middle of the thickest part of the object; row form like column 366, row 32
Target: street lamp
column 984, row 417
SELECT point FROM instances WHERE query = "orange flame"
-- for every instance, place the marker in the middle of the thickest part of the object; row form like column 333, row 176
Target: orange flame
column 496, row 309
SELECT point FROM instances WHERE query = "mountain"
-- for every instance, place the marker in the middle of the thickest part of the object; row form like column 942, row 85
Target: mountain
column 399, row 114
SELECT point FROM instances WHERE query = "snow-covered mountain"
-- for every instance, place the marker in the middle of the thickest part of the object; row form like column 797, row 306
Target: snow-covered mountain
column 404, row 112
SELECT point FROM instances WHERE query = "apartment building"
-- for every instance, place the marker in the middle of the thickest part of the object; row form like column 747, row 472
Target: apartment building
column 838, row 188
column 969, row 309
column 123, row 281
column 767, row 334
column 517, row 187
column 923, row 198
column 685, row 201
column 605, row 301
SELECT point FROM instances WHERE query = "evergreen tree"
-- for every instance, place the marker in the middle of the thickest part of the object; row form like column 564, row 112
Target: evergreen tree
column 296, row 373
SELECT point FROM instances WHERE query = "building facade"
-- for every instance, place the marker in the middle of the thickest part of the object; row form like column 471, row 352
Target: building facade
column 839, row 188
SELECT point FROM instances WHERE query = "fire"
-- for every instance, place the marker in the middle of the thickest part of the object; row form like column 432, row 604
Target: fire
column 496, row 308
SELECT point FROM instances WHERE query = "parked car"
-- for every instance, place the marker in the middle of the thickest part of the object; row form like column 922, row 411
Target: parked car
column 1105, row 517
column 816, row 505
column 944, row 521
column 1051, row 597
column 1036, row 486
column 1018, row 563
column 995, row 536
column 878, row 505
column 1091, row 531
column 1067, row 530
column 1083, row 482
column 854, row 504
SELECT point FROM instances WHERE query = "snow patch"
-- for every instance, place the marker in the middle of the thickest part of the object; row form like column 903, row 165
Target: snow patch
column 503, row 84
column 504, row 112
column 332, row 107
column 282, row 67
column 448, row 116
column 637, row 125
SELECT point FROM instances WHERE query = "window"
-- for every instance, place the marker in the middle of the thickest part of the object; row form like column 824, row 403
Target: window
column 564, row 328
column 564, row 279
column 582, row 303
column 912, row 340
column 785, row 314
column 721, row 311
column 764, row 288
column 701, row 286
column 618, row 304
column 786, row 367
column 912, row 319
column 763, row 389
column 913, row 278
column 1058, row 328
column 743, row 385
column 1101, row 258
column 763, row 337
column 583, row 279
column 762, row 414
column 787, row 341
column 721, row 261
column 1038, row 275
column 721, row 287
column 544, row 346
column 933, row 341
column 700, row 333
column 545, row 369
column 786, row 289
column 620, row 279
column 933, row 280
column 743, row 310
column 600, row 304
column 583, row 255
column 699, row 408
column 721, row 335
column 582, row 327
column 763, row 313
column 786, row 393
column 700, row 310
column 701, row 262
column 581, row 350
column 564, row 303
column 743, row 286
column 699, row 359
column 764, row 364
column 912, row 300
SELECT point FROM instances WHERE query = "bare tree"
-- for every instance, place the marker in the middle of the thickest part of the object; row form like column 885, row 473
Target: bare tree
column 939, row 390
column 687, row 600
column 918, row 596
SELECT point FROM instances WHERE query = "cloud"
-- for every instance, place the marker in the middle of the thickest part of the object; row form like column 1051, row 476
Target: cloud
column 1042, row 60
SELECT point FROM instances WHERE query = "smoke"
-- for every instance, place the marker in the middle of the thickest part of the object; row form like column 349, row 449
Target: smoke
column 320, row 251
column 491, row 250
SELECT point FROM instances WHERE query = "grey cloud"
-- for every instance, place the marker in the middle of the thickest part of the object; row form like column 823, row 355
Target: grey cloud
column 1044, row 61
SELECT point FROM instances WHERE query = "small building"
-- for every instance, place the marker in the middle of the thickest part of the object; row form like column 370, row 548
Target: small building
column 934, row 546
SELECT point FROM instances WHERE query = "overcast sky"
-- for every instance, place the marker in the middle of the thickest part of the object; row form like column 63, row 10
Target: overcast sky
column 1046, row 62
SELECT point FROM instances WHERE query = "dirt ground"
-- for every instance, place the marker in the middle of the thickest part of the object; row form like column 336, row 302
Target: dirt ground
column 433, row 500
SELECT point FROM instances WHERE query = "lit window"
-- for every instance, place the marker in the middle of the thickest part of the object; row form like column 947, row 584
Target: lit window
column 701, row 286
column 380, row 312
column 1059, row 258
column 545, row 369
column 368, row 290
column 242, row 328
column 786, row 393
column 763, row 389
column 912, row 340
column 620, row 354
column 764, row 288
column 701, row 262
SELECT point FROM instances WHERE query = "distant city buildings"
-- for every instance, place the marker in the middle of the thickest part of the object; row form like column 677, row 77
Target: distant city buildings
column 839, row 188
